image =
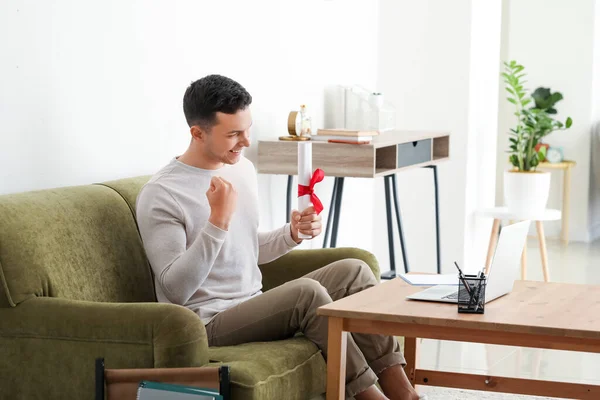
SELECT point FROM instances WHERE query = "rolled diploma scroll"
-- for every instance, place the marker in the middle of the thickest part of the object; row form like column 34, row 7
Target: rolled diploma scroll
column 304, row 175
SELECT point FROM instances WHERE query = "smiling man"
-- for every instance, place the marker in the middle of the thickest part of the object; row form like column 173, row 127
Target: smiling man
column 198, row 218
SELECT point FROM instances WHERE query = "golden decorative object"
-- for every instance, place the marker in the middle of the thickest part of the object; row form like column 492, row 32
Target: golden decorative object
column 294, row 123
column 294, row 138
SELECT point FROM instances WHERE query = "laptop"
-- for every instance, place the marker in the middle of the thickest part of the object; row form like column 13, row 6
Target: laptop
column 503, row 270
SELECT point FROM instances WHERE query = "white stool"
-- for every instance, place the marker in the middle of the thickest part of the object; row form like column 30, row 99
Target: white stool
column 501, row 213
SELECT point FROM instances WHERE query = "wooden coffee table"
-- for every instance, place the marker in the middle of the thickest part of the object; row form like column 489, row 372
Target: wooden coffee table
column 535, row 314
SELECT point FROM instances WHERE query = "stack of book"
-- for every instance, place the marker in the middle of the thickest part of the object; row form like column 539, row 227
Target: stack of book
column 344, row 136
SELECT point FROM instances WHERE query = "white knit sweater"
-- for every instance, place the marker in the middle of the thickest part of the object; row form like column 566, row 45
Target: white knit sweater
column 196, row 264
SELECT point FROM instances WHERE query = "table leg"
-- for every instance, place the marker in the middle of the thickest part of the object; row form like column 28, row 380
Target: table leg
column 288, row 200
column 331, row 213
column 524, row 262
column 411, row 354
column 338, row 206
column 390, row 227
column 566, row 205
column 543, row 251
column 399, row 223
column 492, row 245
column 100, row 379
column 437, row 217
column 336, row 359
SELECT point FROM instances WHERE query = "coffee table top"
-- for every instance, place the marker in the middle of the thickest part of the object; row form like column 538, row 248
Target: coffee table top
column 542, row 308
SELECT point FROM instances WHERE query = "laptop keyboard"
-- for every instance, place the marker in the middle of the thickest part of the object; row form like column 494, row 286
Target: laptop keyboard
column 454, row 296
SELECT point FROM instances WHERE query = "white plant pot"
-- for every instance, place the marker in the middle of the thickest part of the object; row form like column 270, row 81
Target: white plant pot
column 526, row 193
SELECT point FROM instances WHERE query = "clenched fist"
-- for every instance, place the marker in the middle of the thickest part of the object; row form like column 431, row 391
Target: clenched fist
column 222, row 199
column 307, row 222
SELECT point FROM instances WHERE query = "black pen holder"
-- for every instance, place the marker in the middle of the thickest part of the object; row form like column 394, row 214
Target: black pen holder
column 472, row 301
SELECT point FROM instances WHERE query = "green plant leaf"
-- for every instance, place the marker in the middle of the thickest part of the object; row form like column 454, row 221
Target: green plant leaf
column 526, row 102
column 555, row 98
column 545, row 99
column 511, row 100
column 514, row 160
column 542, row 153
column 509, row 90
column 568, row 122
column 541, row 96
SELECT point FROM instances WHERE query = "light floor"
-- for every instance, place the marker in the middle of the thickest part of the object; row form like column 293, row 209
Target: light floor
column 576, row 263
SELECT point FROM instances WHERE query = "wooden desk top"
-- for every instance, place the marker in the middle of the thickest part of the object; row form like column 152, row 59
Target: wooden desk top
column 387, row 154
column 384, row 139
column 551, row 309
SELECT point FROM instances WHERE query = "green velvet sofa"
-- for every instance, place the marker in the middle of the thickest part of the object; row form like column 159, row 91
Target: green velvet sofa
column 75, row 285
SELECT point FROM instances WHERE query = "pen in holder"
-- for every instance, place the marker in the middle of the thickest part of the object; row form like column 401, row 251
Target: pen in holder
column 471, row 294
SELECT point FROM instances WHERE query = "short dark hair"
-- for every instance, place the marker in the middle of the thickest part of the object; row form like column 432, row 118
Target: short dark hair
column 211, row 94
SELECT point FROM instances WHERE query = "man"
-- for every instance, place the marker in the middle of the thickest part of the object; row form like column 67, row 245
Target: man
column 198, row 218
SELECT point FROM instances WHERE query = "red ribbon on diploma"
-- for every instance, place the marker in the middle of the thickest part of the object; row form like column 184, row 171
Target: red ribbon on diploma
column 317, row 177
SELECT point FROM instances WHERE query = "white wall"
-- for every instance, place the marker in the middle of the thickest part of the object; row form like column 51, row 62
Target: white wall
column 486, row 28
column 554, row 40
column 92, row 91
column 594, row 206
column 435, row 74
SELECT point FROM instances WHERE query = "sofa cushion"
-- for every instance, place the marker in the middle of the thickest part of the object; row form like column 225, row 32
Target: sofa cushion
column 76, row 243
column 287, row 369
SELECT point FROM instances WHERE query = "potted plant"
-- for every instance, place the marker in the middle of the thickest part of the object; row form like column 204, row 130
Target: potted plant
column 526, row 189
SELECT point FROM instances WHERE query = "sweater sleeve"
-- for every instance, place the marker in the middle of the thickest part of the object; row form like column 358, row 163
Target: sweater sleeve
column 179, row 271
column 274, row 244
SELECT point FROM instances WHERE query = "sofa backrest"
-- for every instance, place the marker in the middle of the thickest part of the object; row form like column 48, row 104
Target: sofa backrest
column 77, row 242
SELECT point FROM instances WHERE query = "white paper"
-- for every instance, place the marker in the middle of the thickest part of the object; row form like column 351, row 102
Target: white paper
column 304, row 175
column 430, row 280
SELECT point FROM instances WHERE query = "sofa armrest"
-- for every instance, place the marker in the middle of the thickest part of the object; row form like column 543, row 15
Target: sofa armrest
column 48, row 345
column 174, row 335
column 298, row 263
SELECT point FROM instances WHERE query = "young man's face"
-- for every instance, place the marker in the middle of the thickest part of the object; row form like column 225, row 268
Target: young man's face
column 228, row 137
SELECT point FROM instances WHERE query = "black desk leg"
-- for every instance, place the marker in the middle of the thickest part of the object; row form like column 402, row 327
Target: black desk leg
column 331, row 213
column 99, row 378
column 225, row 382
column 437, row 218
column 399, row 222
column 337, row 208
column 288, row 202
column 390, row 230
